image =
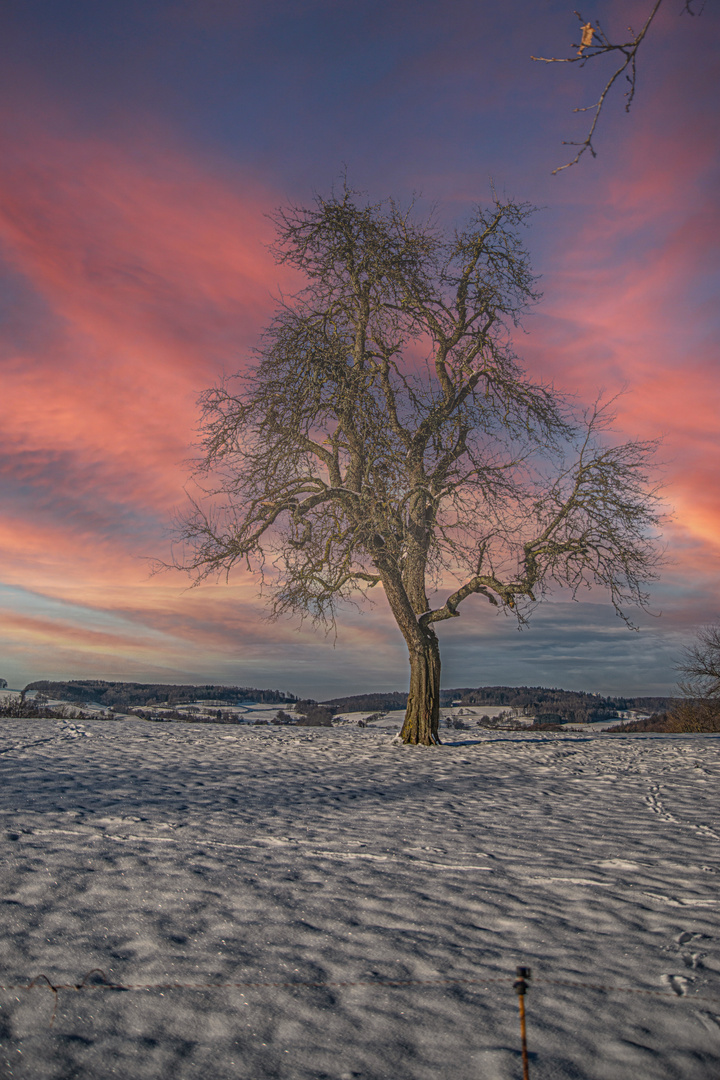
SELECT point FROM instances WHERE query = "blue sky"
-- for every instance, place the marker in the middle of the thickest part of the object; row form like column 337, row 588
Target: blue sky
column 144, row 145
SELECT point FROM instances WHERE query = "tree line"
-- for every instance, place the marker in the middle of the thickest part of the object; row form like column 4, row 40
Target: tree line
column 567, row 705
column 118, row 695
column 572, row 706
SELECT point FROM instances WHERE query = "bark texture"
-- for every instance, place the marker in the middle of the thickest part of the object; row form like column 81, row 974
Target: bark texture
column 422, row 717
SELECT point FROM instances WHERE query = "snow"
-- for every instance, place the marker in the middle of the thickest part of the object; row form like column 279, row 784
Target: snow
column 173, row 853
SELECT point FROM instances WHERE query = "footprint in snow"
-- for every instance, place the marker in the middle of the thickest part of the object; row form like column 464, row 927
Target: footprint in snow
column 677, row 983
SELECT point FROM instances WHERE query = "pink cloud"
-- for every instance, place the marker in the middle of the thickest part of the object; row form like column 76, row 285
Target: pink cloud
column 157, row 273
column 631, row 304
column 155, row 279
column 152, row 278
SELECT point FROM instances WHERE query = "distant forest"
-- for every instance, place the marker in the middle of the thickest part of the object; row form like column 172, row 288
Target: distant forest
column 118, row 695
column 368, row 702
column 574, row 706
column 570, row 706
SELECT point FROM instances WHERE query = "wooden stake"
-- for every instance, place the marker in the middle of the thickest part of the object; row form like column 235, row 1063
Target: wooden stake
column 520, row 986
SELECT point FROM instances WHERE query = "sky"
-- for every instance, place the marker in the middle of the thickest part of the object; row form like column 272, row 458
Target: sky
column 143, row 146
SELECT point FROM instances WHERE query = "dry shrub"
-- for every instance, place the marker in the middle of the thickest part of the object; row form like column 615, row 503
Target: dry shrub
column 17, row 709
column 656, row 722
column 694, row 715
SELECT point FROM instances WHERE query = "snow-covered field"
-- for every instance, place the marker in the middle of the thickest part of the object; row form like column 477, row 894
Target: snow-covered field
column 166, row 853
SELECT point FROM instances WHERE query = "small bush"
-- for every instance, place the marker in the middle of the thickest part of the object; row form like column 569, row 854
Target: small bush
column 314, row 715
column 456, row 723
column 314, row 720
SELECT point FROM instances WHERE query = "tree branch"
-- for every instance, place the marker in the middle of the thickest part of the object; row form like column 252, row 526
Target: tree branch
column 596, row 41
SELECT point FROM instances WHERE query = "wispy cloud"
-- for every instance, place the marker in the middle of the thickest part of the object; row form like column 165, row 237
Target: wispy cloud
column 154, row 280
column 135, row 273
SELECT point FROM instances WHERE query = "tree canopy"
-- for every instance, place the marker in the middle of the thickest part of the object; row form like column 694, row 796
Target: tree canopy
column 388, row 435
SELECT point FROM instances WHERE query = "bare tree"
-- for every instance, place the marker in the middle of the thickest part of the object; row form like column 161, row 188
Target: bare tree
column 595, row 42
column 701, row 664
column 699, row 709
column 387, row 435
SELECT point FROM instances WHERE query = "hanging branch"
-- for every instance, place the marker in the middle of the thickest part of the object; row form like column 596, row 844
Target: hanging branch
column 593, row 43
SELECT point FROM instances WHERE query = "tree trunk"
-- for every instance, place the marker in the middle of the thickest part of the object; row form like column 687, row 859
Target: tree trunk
column 422, row 718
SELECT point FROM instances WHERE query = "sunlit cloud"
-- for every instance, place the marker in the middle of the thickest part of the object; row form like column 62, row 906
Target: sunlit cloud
column 627, row 311
column 136, row 273
column 154, row 280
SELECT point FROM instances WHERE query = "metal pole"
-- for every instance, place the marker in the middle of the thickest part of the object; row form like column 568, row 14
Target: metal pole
column 520, row 987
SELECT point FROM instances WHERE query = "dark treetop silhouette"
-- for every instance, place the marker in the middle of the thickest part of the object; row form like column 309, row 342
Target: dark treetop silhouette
column 387, row 435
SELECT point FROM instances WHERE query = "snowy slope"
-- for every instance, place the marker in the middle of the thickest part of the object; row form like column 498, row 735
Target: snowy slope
column 166, row 853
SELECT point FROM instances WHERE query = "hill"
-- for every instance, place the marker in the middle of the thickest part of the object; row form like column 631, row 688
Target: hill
column 573, row 706
column 118, row 695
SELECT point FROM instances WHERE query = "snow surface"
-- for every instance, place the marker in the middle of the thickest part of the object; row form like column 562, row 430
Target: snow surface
column 205, row 853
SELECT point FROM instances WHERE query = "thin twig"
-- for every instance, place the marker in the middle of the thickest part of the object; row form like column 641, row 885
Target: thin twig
column 597, row 43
